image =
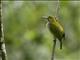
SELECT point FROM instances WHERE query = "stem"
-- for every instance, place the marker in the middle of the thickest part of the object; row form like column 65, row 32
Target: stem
column 53, row 50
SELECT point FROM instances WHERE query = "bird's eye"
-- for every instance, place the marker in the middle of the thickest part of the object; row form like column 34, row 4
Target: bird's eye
column 49, row 17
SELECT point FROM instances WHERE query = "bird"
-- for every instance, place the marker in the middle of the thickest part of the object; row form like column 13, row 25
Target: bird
column 56, row 29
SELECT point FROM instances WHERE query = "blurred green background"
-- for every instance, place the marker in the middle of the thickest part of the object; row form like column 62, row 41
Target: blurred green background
column 27, row 37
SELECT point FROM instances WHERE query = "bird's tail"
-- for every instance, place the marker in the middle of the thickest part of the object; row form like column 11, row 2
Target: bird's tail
column 61, row 44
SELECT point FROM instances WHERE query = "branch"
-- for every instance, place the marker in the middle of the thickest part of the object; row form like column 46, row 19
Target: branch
column 2, row 44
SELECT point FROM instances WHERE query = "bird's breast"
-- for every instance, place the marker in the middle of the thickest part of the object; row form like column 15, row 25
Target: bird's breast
column 56, row 30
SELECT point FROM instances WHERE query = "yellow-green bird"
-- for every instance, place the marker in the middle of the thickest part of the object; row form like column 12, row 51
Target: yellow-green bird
column 56, row 29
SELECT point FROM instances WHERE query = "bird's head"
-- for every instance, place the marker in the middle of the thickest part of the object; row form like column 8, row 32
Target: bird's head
column 50, row 18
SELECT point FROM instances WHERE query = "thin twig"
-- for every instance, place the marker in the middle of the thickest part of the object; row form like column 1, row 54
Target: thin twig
column 53, row 50
column 57, row 8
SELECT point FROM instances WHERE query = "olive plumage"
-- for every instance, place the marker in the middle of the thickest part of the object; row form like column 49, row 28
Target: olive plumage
column 56, row 29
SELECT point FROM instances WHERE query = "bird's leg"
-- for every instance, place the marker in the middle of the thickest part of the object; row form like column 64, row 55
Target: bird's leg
column 64, row 36
column 53, row 50
column 60, row 44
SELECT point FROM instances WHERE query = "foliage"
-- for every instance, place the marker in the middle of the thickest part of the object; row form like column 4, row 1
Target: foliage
column 26, row 34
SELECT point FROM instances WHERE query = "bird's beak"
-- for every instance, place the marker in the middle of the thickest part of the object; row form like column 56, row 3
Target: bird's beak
column 44, row 17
